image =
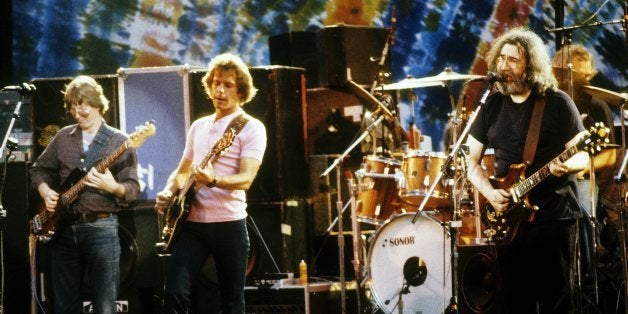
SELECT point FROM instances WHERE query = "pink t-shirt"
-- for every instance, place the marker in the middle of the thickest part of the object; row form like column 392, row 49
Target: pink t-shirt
column 215, row 204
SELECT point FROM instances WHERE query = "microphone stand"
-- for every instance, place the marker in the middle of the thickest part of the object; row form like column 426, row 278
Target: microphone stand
column 341, row 242
column 594, row 24
column 453, row 305
column 11, row 143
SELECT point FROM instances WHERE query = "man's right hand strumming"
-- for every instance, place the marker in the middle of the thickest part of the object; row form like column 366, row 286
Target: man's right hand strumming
column 163, row 201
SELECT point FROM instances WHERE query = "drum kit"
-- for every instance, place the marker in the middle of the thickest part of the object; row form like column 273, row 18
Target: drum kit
column 416, row 200
column 423, row 208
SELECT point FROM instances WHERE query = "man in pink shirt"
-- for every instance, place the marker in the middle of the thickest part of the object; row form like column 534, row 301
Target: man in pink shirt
column 216, row 222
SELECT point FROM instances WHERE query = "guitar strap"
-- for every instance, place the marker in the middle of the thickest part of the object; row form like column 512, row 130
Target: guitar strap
column 532, row 139
column 100, row 140
column 237, row 124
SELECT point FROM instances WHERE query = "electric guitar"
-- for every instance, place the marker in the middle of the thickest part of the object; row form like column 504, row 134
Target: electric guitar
column 180, row 208
column 501, row 227
column 46, row 224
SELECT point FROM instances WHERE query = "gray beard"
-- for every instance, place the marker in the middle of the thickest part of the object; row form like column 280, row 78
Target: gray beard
column 514, row 88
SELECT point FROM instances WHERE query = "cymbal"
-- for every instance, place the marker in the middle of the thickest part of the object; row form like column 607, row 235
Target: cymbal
column 448, row 75
column 610, row 97
column 410, row 83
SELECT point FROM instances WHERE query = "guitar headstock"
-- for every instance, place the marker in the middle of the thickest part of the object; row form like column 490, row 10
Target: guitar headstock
column 224, row 143
column 143, row 132
column 597, row 138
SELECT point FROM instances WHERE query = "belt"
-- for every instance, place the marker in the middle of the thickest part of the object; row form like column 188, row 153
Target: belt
column 91, row 217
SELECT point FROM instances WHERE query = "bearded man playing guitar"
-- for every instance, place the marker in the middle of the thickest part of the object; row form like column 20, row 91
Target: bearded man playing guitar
column 86, row 238
column 222, row 155
column 536, row 260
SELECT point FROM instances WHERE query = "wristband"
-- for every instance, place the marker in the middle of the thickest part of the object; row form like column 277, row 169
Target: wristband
column 213, row 183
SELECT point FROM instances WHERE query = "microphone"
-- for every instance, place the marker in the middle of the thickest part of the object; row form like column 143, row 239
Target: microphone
column 25, row 88
column 491, row 77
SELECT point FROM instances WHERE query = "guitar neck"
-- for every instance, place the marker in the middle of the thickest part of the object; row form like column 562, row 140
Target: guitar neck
column 74, row 191
column 525, row 186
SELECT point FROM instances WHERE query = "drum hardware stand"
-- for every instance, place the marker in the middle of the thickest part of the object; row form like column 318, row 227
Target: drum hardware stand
column 592, row 199
column 403, row 290
column 621, row 178
column 341, row 243
column 415, row 134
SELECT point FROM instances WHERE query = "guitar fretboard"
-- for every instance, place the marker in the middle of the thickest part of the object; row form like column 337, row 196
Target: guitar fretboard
column 525, row 186
column 70, row 195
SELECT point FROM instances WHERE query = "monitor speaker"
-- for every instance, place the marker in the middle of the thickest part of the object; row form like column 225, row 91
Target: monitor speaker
column 480, row 286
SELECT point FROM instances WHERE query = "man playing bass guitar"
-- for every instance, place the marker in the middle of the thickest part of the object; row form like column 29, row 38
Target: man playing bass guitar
column 536, row 263
column 220, row 167
column 86, row 243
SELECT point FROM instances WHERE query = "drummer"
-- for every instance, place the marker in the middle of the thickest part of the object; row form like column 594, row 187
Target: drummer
column 592, row 111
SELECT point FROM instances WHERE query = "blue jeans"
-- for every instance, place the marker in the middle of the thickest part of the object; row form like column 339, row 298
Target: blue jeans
column 228, row 243
column 92, row 249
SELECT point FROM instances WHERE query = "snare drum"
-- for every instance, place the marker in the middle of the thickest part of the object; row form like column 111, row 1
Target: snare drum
column 420, row 169
column 377, row 189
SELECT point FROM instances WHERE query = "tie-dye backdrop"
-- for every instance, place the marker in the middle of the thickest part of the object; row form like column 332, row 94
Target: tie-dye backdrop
column 54, row 38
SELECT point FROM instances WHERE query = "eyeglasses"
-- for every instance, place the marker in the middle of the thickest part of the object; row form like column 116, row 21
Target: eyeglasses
column 83, row 107
column 510, row 61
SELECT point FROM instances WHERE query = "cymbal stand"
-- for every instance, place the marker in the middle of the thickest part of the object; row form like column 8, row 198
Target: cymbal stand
column 414, row 140
column 341, row 243
column 620, row 178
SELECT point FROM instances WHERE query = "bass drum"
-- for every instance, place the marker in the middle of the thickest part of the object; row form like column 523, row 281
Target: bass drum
column 414, row 254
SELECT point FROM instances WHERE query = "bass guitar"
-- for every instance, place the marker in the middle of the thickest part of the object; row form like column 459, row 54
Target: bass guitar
column 181, row 203
column 46, row 224
column 501, row 226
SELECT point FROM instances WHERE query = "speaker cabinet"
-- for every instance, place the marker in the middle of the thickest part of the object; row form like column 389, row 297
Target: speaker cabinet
column 141, row 269
column 14, row 240
column 279, row 104
column 297, row 49
column 284, row 236
column 333, row 120
column 49, row 114
column 353, row 48
column 480, row 285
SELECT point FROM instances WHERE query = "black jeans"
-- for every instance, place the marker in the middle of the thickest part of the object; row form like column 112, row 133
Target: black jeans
column 228, row 243
column 537, row 268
